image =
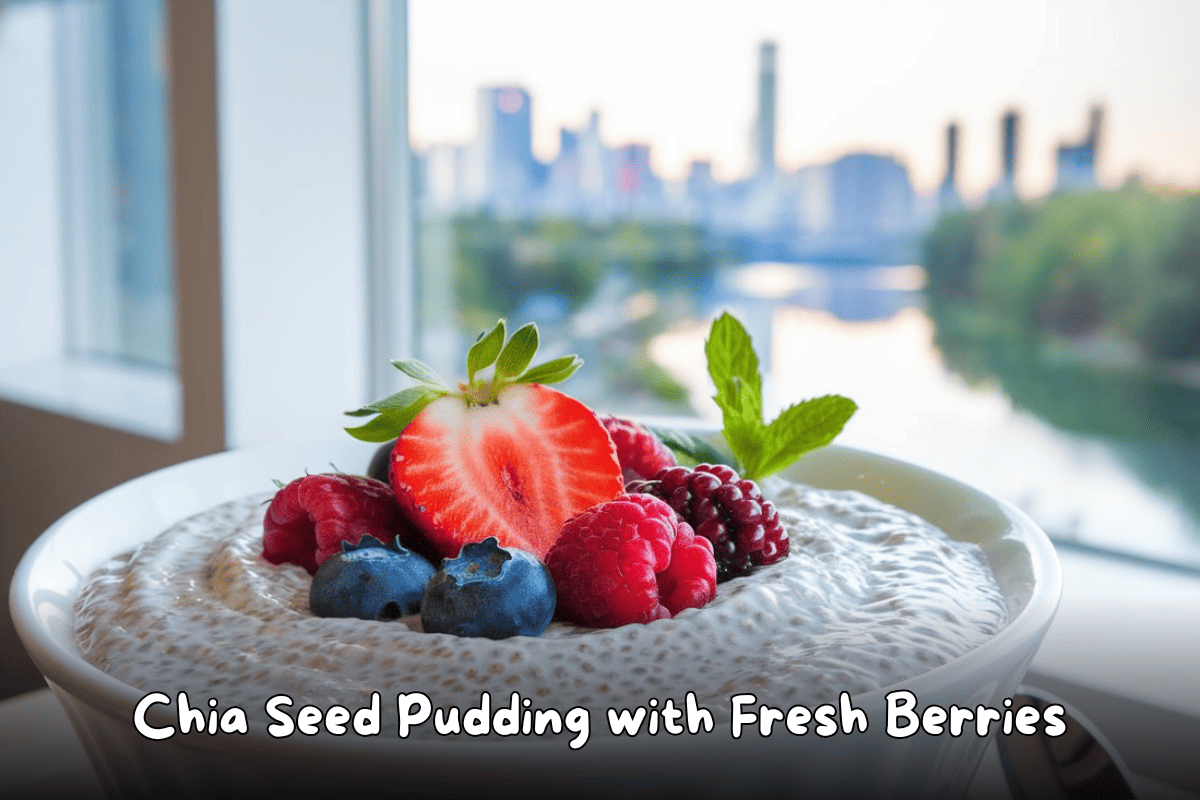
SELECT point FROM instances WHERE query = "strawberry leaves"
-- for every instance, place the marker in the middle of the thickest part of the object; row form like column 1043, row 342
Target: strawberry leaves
column 394, row 413
column 555, row 370
column 508, row 357
column 485, row 350
column 761, row 449
column 518, row 352
column 416, row 369
column 685, row 444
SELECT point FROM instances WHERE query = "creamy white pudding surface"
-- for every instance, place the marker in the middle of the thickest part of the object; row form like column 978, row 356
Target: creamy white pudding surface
column 869, row 595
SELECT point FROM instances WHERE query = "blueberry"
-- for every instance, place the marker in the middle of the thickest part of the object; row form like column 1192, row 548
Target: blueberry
column 370, row 581
column 381, row 462
column 489, row 591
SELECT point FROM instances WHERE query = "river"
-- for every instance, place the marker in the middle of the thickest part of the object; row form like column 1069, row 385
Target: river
column 866, row 334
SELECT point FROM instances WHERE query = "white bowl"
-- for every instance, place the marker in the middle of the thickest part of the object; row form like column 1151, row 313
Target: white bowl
column 862, row 765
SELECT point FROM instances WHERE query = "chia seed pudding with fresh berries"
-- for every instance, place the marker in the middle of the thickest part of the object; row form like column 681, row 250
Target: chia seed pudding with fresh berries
column 670, row 580
column 869, row 595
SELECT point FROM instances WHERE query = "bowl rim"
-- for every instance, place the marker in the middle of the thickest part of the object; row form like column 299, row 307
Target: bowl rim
column 70, row 672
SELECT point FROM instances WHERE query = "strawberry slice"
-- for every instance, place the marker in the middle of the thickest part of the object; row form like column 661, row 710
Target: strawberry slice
column 502, row 455
column 515, row 469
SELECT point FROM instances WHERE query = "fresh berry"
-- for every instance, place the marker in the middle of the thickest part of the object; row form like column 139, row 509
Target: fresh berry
column 639, row 451
column 630, row 560
column 729, row 512
column 381, row 462
column 502, row 455
column 489, row 591
column 308, row 519
column 516, row 468
column 370, row 581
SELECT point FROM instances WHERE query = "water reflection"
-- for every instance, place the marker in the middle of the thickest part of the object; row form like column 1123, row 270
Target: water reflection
column 1107, row 458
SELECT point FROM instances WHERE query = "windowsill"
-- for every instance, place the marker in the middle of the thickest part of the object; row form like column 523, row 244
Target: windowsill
column 1127, row 629
column 139, row 400
column 1122, row 650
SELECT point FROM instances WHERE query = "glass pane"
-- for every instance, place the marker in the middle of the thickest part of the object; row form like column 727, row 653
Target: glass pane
column 86, row 286
column 985, row 231
column 113, row 171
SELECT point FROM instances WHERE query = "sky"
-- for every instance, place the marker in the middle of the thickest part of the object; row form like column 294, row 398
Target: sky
column 854, row 75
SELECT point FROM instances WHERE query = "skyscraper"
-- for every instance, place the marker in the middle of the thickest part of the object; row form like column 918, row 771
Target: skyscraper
column 948, row 197
column 764, row 124
column 1005, row 189
column 1076, row 163
column 506, row 146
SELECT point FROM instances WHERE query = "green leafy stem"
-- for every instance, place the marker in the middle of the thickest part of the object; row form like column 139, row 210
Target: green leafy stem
column 759, row 448
column 509, row 358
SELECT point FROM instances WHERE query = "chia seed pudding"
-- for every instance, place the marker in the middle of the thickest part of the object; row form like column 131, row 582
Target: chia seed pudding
column 869, row 595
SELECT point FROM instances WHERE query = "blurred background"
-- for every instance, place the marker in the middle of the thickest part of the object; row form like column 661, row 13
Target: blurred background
column 980, row 221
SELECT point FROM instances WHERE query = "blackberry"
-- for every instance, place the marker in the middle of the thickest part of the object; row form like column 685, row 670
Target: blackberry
column 730, row 512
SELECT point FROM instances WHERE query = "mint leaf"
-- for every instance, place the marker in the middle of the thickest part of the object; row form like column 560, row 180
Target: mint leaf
column 689, row 446
column 518, row 352
column 419, row 370
column 761, row 449
column 730, row 355
column 742, row 424
column 485, row 350
column 553, row 371
column 802, row 427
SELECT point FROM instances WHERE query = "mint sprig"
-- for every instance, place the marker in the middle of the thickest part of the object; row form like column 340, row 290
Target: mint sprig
column 685, row 444
column 761, row 449
column 508, row 357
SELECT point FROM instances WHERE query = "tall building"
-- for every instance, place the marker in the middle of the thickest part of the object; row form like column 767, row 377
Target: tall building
column 1076, row 163
column 700, row 187
column 948, row 196
column 1005, row 189
column 639, row 190
column 764, row 124
column 871, row 195
column 505, row 144
column 596, row 171
column 562, row 194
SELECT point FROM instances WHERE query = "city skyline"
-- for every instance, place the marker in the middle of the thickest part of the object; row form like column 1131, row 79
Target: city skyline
column 1075, row 161
column 690, row 92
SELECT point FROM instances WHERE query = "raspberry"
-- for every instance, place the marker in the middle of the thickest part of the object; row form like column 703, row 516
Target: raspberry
column 639, row 452
column 309, row 519
column 729, row 512
column 630, row 559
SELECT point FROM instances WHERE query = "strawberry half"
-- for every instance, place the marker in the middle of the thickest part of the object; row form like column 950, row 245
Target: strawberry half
column 503, row 455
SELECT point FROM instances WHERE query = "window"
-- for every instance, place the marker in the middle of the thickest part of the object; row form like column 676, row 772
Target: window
column 88, row 323
column 978, row 222
column 987, row 240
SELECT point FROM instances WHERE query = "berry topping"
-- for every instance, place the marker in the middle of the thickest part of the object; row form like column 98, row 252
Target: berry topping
column 381, row 462
column 489, row 591
column 370, row 580
column 639, row 451
column 729, row 512
column 630, row 560
column 308, row 519
column 502, row 455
